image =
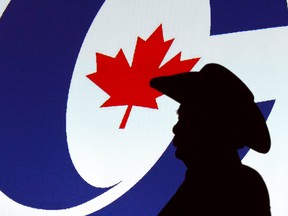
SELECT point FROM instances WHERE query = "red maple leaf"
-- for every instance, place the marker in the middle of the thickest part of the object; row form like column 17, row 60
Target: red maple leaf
column 129, row 85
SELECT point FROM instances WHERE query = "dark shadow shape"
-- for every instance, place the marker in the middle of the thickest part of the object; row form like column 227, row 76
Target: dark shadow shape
column 217, row 116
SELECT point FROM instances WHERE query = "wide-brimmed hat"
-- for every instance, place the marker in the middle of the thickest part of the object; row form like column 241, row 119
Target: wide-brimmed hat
column 216, row 86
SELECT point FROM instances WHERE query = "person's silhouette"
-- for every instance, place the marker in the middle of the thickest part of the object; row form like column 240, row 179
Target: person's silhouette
column 217, row 116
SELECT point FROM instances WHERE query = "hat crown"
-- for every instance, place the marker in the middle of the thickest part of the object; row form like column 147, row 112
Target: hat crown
column 218, row 83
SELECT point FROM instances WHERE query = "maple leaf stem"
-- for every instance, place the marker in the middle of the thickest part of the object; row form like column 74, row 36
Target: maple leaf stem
column 125, row 118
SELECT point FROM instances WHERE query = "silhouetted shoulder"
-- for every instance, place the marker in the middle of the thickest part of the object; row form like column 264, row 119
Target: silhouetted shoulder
column 254, row 192
column 237, row 193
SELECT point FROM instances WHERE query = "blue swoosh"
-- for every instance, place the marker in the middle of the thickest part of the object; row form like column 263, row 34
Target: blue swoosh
column 40, row 41
column 235, row 16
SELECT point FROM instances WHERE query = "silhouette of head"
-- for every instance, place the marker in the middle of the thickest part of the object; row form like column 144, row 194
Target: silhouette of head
column 217, row 112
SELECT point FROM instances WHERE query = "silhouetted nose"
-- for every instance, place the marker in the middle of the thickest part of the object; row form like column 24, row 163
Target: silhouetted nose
column 175, row 128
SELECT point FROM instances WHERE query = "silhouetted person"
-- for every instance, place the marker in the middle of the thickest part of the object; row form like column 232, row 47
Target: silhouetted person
column 217, row 116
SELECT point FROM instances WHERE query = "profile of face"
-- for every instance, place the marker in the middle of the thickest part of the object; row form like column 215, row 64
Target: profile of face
column 200, row 133
column 190, row 133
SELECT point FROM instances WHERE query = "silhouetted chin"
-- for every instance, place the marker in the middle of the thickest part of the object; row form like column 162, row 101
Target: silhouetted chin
column 180, row 154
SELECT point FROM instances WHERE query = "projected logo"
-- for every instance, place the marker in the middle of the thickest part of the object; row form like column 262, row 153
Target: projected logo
column 118, row 128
